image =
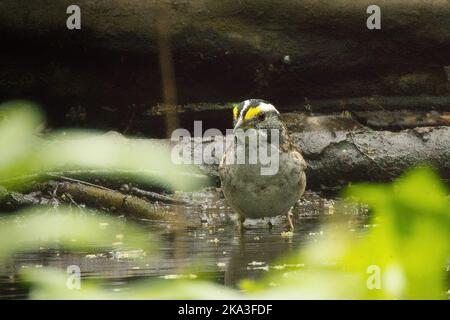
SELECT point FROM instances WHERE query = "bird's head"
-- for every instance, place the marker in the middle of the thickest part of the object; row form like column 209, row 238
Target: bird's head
column 256, row 114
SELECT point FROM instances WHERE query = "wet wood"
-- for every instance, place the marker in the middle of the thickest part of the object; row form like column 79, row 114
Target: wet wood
column 110, row 200
column 397, row 120
column 340, row 150
column 153, row 196
column 112, row 178
column 12, row 200
column 338, row 158
column 412, row 103
column 375, row 103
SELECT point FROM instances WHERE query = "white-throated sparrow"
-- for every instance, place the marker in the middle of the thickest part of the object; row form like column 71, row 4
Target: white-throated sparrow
column 249, row 187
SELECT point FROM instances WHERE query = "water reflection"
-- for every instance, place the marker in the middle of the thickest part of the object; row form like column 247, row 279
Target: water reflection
column 212, row 250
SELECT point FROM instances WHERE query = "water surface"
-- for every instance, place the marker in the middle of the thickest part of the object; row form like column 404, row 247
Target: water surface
column 213, row 250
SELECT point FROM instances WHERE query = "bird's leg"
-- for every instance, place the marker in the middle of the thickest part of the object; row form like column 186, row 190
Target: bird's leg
column 290, row 216
column 241, row 224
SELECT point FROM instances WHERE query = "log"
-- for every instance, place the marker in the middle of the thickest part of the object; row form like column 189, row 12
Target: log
column 97, row 197
column 223, row 50
column 390, row 120
column 375, row 103
column 378, row 112
column 294, row 28
column 338, row 158
column 11, row 201
column 153, row 196
column 412, row 103
column 339, row 150
column 110, row 200
column 110, row 177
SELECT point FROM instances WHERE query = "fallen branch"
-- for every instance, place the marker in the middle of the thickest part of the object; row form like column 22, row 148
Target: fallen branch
column 152, row 196
column 156, row 196
column 110, row 177
column 112, row 201
column 339, row 150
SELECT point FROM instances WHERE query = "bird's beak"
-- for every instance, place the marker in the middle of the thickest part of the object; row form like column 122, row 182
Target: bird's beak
column 238, row 124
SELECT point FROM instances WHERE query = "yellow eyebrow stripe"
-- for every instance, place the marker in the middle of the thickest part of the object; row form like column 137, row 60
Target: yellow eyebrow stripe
column 235, row 112
column 252, row 112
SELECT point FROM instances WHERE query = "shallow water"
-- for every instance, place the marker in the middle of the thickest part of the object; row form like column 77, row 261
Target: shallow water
column 213, row 250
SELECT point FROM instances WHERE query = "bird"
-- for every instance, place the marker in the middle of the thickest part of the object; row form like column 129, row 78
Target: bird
column 249, row 192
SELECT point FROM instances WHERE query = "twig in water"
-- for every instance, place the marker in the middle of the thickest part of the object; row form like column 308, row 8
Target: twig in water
column 156, row 196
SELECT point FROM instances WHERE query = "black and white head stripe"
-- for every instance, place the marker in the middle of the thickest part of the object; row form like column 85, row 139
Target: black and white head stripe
column 240, row 111
column 249, row 109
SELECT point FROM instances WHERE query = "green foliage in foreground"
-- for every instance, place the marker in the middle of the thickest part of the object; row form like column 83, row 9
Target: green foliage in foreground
column 409, row 246
column 67, row 228
column 26, row 156
column 402, row 257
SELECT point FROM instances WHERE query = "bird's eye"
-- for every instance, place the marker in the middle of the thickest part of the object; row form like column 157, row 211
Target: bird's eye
column 261, row 116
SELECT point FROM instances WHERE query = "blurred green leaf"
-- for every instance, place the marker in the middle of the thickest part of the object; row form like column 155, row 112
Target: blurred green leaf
column 409, row 245
column 51, row 284
column 18, row 122
column 26, row 156
column 68, row 228
column 411, row 264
